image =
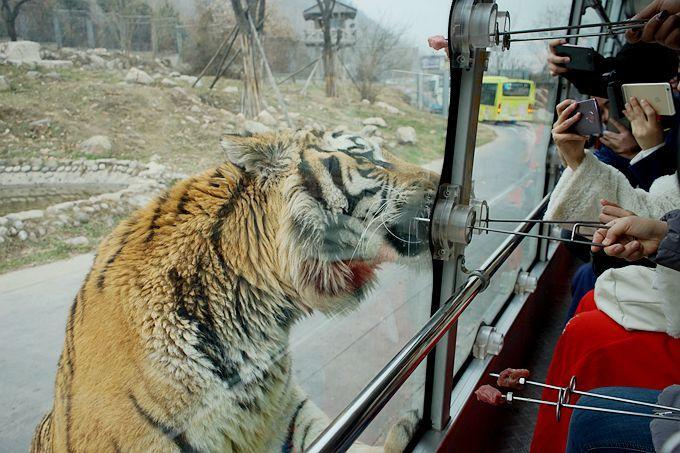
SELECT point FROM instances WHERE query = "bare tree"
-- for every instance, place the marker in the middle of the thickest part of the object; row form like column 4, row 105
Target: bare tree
column 246, row 11
column 10, row 12
column 377, row 52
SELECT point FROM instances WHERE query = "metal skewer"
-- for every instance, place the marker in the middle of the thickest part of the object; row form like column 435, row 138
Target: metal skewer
column 572, row 389
column 617, row 31
column 538, row 236
column 510, row 397
column 629, row 23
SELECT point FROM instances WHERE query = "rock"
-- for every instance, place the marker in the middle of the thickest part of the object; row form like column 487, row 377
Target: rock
column 28, row 215
column 54, row 64
column 77, row 241
column 32, row 75
column 22, row 235
column 365, row 102
column 190, row 80
column 191, row 119
column 168, row 82
column 81, row 217
column 4, row 84
column 39, row 124
column 136, row 75
column 96, row 61
column 375, row 121
column 267, row 118
column 53, row 75
column 21, row 52
column 407, row 135
column 97, row 144
column 254, row 128
column 231, row 90
column 26, row 168
column 101, row 51
column 369, row 131
column 114, row 64
column 3, row 231
column 196, row 109
column 388, row 108
column 378, row 141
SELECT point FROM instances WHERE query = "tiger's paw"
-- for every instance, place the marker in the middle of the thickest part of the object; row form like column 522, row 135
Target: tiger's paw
column 402, row 432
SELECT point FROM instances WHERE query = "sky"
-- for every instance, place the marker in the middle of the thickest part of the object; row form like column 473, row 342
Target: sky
column 424, row 18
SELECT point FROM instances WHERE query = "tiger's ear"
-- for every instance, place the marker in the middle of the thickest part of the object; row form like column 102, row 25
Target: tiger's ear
column 264, row 156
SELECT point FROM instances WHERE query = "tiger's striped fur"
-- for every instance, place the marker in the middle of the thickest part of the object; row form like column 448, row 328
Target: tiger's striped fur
column 178, row 338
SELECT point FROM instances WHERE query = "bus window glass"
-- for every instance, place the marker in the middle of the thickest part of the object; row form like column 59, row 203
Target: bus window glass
column 488, row 94
column 509, row 168
column 516, row 89
column 109, row 125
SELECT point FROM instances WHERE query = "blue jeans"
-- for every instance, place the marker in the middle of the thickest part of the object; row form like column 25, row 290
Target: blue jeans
column 608, row 433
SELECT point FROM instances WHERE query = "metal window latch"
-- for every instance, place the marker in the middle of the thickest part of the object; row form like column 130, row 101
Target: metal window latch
column 489, row 341
column 526, row 283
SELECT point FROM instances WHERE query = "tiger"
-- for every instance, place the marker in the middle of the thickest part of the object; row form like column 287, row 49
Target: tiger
column 178, row 339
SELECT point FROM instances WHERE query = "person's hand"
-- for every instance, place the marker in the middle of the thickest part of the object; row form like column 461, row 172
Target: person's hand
column 439, row 42
column 555, row 62
column 644, row 122
column 663, row 25
column 570, row 146
column 612, row 211
column 622, row 142
column 631, row 238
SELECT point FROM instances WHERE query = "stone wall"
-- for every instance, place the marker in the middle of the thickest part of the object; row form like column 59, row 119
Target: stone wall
column 140, row 183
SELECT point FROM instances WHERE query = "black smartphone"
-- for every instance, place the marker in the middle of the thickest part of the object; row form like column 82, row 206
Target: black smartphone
column 590, row 123
column 582, row 58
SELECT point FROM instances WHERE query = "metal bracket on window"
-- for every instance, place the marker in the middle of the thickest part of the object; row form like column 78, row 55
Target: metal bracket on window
column 452, row 222
column 476, row 25
column 488, row 341
column 526, row 283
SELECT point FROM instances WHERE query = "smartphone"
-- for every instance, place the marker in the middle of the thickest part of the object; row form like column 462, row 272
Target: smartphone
column 582, row 58
column 659, row 95
column 590, row 123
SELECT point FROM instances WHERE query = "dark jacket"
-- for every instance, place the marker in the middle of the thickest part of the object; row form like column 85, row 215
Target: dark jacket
column 668, row 254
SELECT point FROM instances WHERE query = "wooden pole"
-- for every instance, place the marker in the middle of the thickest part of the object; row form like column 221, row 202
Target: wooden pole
column 268, row 70
column 231, row 36
column 298, row 71
column 309, row 79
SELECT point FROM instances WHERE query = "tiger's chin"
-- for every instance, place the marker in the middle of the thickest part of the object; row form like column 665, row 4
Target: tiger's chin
column 336, row 286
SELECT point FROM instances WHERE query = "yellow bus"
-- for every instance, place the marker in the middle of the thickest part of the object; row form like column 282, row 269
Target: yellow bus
column 504, row 99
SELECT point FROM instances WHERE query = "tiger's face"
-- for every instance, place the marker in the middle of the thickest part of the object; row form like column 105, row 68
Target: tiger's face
column 348, row 208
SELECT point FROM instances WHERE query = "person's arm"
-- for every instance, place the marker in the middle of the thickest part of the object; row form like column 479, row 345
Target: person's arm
column 663, row 25
column 668, row 253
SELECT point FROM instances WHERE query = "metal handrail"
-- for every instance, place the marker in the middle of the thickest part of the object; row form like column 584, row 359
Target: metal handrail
column 352, row 421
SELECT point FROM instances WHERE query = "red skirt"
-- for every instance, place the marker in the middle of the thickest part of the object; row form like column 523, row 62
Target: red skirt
column 601, row 353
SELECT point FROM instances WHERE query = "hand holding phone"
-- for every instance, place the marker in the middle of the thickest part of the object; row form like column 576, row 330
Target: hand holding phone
column 590, row 123
column 659, row 96
column 580, row 58
column 570, row 145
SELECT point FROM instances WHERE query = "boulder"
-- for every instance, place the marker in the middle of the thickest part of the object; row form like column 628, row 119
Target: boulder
column 407, row 135
column 4, row 84
column 136, row 75
column 267, row 118
column 32, row 75
column 168, row 82
column 365, row 102
column 77, row 241
column 53, row 75
column 375, row 121
column 98, row 144
column 190, row 80
column 254, row 128
column 96, row 61
column 369, row 131
column 388, row 108
column 22, row 235
column 54, row 64
column 21, row 52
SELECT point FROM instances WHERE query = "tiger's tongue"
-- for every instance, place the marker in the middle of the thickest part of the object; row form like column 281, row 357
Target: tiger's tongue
column 364, row 271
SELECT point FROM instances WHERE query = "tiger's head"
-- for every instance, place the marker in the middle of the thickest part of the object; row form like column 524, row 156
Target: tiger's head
column 346, row 207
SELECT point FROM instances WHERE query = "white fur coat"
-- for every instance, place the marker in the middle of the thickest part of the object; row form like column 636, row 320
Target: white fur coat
column 578, row 193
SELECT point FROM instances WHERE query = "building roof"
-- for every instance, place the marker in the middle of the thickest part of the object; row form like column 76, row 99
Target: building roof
column 341, row 10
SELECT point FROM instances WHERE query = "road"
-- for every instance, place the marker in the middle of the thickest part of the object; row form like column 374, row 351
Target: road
column 334, row 358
